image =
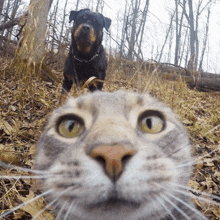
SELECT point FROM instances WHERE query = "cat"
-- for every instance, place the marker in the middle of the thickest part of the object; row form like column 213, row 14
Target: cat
column 116, row 156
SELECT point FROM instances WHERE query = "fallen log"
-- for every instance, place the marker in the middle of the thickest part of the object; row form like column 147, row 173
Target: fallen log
column 203, row 81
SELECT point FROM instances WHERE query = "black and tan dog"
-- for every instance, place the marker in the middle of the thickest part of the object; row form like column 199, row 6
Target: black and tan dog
column 86, row 57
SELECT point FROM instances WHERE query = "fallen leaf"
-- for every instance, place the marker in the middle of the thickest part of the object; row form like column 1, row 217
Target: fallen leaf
column 35, row 207
column 5, row 126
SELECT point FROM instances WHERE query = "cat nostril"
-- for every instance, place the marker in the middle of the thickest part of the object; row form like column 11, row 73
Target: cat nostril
column 112, row 158
column 101, row 160
column 125, row 159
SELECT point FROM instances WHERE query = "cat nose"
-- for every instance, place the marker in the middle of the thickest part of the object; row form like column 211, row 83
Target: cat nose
column 113, row 158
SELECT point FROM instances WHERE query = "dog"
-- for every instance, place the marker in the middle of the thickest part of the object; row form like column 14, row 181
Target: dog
column 86, row 56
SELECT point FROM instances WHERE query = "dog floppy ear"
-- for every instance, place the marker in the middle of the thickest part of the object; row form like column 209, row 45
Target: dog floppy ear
column 74, row 14
column 107, row 23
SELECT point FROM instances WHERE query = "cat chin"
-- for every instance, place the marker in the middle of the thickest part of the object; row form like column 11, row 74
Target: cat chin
column 115, row 209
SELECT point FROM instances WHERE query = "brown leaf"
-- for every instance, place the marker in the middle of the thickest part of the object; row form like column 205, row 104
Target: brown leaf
column 5, row 126
column 35, row 207
column 7, row 154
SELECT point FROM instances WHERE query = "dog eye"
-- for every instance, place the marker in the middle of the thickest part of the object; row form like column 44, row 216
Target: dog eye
column 151, row 122
column 70, row 126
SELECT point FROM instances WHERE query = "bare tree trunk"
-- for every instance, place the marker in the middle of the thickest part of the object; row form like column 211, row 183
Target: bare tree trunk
column 183, row 50
column 196, row 34
column 167, row 35
column 62, row 27
column 135, row 7
column 6, row 13
column 192, row 37
column 33, row 42
column 1, row 7
column 31, row 53
column 142, row 27
column 190, row 19
column 179, row 37
column 205, row 40
column 179, row 24
column 77, row 5
column 99, row 6
column 187, row 51
column 170, row 46
column 12, row 17
column 54, row 26
column 122, row 45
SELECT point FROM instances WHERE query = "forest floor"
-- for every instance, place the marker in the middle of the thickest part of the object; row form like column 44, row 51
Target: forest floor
column 25, row 105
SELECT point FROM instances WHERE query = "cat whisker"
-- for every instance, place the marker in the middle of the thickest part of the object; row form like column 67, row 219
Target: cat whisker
column 61, row 210
column 165, row 207
column 7, row 166
column 193, row 162
column 178, row 150
column 27, row 177
column 51, row 203
column 176, row 207
column 45, row 208
column 209, row 201
column 208, row 155
column 187, row 205
column 187, row 164
column 25, row 203
column 199, row 192
column 69, row 209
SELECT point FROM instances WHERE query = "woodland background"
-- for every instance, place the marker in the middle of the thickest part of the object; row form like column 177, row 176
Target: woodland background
column 181, row 37
column 34, row 42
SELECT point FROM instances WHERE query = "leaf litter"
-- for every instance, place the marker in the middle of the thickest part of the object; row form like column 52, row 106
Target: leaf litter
column 24, row 109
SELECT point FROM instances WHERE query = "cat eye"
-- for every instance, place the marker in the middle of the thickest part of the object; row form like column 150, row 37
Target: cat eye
column 151, row 122
column 70, row 126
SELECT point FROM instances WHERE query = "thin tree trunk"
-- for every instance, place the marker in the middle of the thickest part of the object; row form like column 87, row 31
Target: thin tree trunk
column 135, row 7
column 54, row 26
column 180, row 36
column 205, row 40
column 97, row 6
column 12, row 17
column 192, row 37
column 177, row 35
column 77, row 5
column 167, row 35
column 184, row 43
column 121, row 54
column 1, row 7
column 62, row 27
column 6, row 13
column 142, row 27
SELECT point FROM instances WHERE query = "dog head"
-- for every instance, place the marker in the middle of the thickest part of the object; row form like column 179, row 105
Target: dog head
column 88, row 29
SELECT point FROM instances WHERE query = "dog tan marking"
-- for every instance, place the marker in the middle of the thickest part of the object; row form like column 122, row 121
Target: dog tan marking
column 81, row 45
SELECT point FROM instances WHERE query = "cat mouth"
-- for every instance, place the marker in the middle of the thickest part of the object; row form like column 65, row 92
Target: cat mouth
column 114, row 201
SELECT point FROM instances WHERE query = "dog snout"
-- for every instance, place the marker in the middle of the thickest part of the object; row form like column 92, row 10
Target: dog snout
column 86, row 28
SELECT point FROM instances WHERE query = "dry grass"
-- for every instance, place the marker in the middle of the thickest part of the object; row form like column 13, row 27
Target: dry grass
column 26, row 102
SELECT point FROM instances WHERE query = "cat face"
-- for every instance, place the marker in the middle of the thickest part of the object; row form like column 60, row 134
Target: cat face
column 116, row 156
